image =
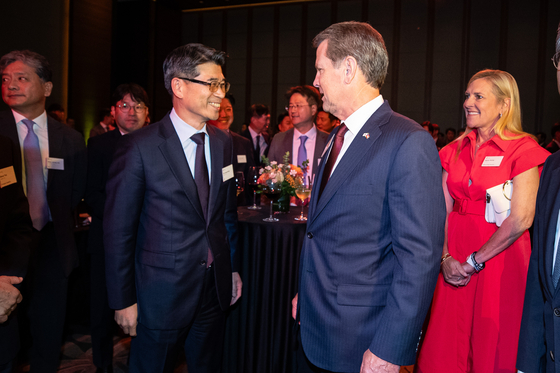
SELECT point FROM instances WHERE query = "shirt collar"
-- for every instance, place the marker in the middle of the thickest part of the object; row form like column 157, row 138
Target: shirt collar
column 356, row 121
column 311, row 134
column 497, row 140
column 253, row 133
column 183, row 129
column 40, row 121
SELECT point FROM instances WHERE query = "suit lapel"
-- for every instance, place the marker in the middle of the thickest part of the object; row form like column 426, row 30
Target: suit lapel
column 287, row 146
column 346, row 165
column 174, row 154
column 551, row 217
column 9, row 129
column 56, row 139
column 217, row 159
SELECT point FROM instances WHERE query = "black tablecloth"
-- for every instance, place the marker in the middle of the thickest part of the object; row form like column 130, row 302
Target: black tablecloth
column 259, row 330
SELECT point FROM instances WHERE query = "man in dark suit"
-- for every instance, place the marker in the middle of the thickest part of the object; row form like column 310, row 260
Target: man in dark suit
column 53, row 175
column 107, row 120
column 256, row 131
column 539, row 346
column 242, row 148
column 375, row 227
column 130, row 110
column 15, row 241
column 170, row 223
column 304, row 141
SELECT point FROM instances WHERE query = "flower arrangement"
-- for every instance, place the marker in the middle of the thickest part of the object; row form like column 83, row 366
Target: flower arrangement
column 288, row 174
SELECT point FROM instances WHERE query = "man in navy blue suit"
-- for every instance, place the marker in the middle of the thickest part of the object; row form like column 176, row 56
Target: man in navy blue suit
column 375, row 228
column 539, row 343
column 170, row 223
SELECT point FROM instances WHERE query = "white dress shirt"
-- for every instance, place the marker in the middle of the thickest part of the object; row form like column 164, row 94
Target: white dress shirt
column 309, row 146
column 185, row 131
column 355, row 122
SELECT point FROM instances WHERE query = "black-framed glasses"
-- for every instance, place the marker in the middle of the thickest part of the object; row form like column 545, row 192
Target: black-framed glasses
column 137, row 108
column 297, row 107
column 214, row 85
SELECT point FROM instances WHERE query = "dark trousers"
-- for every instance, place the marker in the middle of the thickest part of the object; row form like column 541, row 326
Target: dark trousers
column 48, row 288
column 154, row 351
column 7, row 368
column 102, row 317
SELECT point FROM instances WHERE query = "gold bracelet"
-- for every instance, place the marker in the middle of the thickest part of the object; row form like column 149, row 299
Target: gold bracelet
column 444, row 258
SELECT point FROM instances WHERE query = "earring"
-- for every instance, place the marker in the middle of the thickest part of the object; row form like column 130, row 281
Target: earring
column 500, row 115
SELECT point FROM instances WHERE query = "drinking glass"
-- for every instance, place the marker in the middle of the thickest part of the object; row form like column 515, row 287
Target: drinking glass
column 252, row 182
column 273, row 191
column 303, row 192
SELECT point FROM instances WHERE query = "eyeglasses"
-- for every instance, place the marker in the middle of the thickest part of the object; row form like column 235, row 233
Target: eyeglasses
column 297, row 107
column 137, row 108
column 555, row 60
column 214, row 85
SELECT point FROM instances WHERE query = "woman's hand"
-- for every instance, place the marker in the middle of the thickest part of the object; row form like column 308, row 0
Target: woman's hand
column 454, row 272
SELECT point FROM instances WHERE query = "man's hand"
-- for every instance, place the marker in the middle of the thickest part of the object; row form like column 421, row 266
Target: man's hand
column 294, row 307
column 237, row 285
column 373, row 364
column 9, row 296
column 454, row 272
column 127, row 318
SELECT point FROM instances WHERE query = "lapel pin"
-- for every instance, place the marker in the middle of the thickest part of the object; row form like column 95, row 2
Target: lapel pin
column 366, row 135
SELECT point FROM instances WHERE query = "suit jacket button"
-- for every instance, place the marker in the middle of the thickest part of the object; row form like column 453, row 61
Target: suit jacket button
column 309, row 235
column 202, row 262
column 557, row 312
column 552, row 355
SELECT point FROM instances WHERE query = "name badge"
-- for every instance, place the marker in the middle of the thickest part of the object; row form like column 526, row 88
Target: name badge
column 241, row 158
column 227, row 172
column 7, row 176
column 492, row 161
column 55, row 163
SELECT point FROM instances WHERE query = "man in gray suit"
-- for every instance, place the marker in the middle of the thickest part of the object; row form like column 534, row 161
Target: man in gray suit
column 304, row 141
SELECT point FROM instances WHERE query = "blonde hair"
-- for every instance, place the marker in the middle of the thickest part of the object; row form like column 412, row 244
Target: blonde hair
column 504, row 87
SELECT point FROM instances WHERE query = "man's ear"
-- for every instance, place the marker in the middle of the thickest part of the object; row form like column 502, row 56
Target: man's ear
column 47, row 87
column 313, row 110
column 350, row 69
column 178, row 87
column 113, row 112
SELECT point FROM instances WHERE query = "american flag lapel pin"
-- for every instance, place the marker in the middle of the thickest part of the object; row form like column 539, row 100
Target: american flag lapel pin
column 366, row 135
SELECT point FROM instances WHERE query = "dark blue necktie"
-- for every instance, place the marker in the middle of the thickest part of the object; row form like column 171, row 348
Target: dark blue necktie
column 36, row 194
column 201, row 179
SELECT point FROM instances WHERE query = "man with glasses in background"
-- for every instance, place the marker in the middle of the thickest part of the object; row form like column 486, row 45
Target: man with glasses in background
column 540, row 326
column 130, row 110
column 304, row 141
column 170, row 223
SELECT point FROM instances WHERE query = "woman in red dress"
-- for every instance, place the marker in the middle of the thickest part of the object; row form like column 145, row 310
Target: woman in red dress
column 476, row 311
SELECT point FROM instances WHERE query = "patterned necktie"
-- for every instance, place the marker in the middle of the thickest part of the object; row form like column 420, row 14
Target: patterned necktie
column 335, row 151
column 36, row 194
column 302, row 153
column 258, row 150
column 201, row 179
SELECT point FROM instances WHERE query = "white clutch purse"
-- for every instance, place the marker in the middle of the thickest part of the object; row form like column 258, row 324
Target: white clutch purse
column 498, row 203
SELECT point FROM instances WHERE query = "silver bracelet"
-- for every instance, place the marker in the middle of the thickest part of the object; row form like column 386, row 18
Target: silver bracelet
column 472, row 261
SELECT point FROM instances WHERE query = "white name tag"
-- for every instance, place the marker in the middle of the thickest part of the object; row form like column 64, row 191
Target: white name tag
column 55, row 163
column 241, row 158
column 492, row 161
column 227, row 172
column 7, row 176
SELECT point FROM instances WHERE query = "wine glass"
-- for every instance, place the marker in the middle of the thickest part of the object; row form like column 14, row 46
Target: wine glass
column 273, row 190
column 303, row 192
column 252, row 182
column 239, row 182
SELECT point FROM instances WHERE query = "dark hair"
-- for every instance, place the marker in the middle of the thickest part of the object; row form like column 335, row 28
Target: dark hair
column 281, row 117
column 452, row 130
column 310, row 93
column 361, row 41
column 429, row 124
column 231, row 99
column 257, row 110
column 331, row 117
column 30, row 58
column 184, row 60
column 55, row 107
column 136, row 92
column 555, row 128
column 105, row 112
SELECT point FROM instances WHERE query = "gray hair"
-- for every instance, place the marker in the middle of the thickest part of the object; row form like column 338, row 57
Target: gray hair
column 361, row 41
column 557, row 54
column 30, row 58
column 183, row 62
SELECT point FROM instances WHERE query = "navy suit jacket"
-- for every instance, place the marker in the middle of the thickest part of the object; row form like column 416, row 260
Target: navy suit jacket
column 283, row 142
column 247, row 135
column 370, row 259
column 101, row 150
column 243, row 146
column 156, row 238
column 539, row 339
column 65, row 188
column 15, row 241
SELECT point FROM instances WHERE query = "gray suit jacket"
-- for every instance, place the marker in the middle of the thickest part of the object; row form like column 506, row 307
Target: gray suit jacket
column 282, row 143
